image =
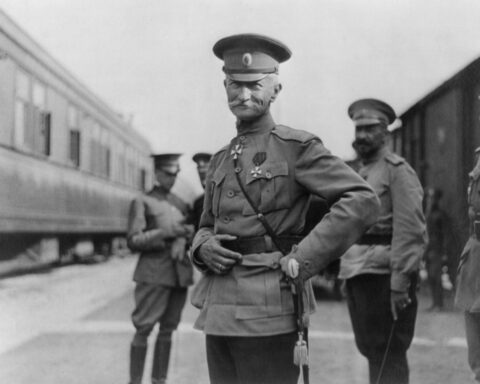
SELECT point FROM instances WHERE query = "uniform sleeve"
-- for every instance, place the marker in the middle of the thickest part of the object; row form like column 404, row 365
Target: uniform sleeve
column 140, row 239
column 207, row 221
column 409, row 235
column 354, row 207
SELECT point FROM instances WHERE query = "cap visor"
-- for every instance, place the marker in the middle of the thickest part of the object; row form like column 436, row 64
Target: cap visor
column 247, row 77
column 368, row 121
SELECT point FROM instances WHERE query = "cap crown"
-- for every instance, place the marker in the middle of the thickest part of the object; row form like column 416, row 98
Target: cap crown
column 167, row 161
column 250, row 57
column 371, row 111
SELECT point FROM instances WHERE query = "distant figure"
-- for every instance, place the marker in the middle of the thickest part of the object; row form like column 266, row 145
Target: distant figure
column 468, row 282
column 157, row 229
column 435, row 253
column 381, row 268
column 203, row 160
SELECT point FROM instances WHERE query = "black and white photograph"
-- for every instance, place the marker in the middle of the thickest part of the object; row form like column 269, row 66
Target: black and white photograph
column 240, row 192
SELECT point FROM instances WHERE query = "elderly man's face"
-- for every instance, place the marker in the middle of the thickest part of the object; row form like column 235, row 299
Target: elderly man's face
column 369, row 139
column 250, row 100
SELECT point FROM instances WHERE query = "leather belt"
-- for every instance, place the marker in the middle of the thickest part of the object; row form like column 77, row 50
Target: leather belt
column 371, row 239
column 260, row 244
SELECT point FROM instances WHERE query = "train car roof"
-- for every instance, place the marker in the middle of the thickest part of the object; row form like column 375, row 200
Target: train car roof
column 457, row 79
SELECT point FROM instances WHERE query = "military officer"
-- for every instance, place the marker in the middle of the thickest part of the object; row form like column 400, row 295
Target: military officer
column 381, row 268
column 157, row 229
column 467, row 296
column 264, row 177
column 202, row 159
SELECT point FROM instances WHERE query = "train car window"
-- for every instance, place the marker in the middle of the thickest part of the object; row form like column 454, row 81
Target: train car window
column 22, row 98
column 75, row 147
column 32, row 120
column 46, row 131
column 73, row 125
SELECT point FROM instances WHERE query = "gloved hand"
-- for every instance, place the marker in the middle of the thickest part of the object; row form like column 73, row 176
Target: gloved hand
column 290, row 267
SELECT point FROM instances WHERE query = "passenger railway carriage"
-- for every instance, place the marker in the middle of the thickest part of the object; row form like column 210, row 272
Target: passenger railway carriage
column 69, row 163
column 438, row 137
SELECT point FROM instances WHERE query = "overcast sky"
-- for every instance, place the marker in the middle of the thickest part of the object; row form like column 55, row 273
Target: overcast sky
column 153, row 58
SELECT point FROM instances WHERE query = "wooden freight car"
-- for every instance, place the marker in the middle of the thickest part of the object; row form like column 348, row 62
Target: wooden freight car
column 69, row 163
column 438, row 137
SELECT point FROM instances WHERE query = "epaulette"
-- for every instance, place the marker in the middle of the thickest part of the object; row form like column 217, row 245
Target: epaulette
column 287, row 133
column 394, row 159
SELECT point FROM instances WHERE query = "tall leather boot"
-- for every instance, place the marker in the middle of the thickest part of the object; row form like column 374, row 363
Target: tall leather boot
column 137, row 362
column 161, row 357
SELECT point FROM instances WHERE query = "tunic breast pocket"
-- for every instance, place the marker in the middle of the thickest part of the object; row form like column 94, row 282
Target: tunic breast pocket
column 274, row 186
column 217, row 181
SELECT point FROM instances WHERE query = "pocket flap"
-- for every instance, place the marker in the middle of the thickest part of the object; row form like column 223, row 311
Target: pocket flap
column 218, row 177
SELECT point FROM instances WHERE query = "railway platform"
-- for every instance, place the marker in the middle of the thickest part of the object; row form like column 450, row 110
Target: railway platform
column 71, row 325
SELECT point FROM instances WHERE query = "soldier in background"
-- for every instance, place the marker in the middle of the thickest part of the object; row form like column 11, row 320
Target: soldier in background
column 203, row 160
column 381, row 268
column 157, row 229
column 468, row 282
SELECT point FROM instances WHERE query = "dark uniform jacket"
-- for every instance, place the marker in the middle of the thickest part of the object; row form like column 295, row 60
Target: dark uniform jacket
column 468, row 281
column 253, row 298
column 401, row 217
column 150, row 231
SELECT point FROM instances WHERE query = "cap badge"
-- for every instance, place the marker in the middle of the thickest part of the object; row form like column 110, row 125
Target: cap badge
column 247, row 59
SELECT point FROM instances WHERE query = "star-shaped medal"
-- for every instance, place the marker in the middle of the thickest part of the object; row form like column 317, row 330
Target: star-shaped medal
column 256, row 171
column 237, row 151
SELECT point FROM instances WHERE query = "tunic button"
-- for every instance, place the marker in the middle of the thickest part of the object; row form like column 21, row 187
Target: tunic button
column 226, row 219
column 230, row 193
column 242, row 138
column 268, row 175
column 238, row 170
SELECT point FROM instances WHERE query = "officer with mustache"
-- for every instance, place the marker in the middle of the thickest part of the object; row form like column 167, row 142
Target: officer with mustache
column 381, row 268
column 265, row 177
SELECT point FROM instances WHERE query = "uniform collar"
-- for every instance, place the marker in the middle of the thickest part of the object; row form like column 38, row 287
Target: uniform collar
column 158, row 190
column 263, row 124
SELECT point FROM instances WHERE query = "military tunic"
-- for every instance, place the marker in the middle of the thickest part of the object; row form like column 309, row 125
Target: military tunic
column 254, row 299
column 467, row 295
column 468, row 281
column 401, row 217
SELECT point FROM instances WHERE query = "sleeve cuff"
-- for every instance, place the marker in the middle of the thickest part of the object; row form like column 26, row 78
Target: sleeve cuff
column 399, row 282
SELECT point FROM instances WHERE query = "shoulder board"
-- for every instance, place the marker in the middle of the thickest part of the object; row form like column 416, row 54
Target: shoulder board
column 394, row 159
column 291, row 134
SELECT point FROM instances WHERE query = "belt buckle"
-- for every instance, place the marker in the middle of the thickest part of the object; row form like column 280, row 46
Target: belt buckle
column 476, row 228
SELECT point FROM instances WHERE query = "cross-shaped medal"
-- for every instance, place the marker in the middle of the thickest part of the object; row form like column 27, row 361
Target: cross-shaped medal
column 256, row 171
column 237, row 151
